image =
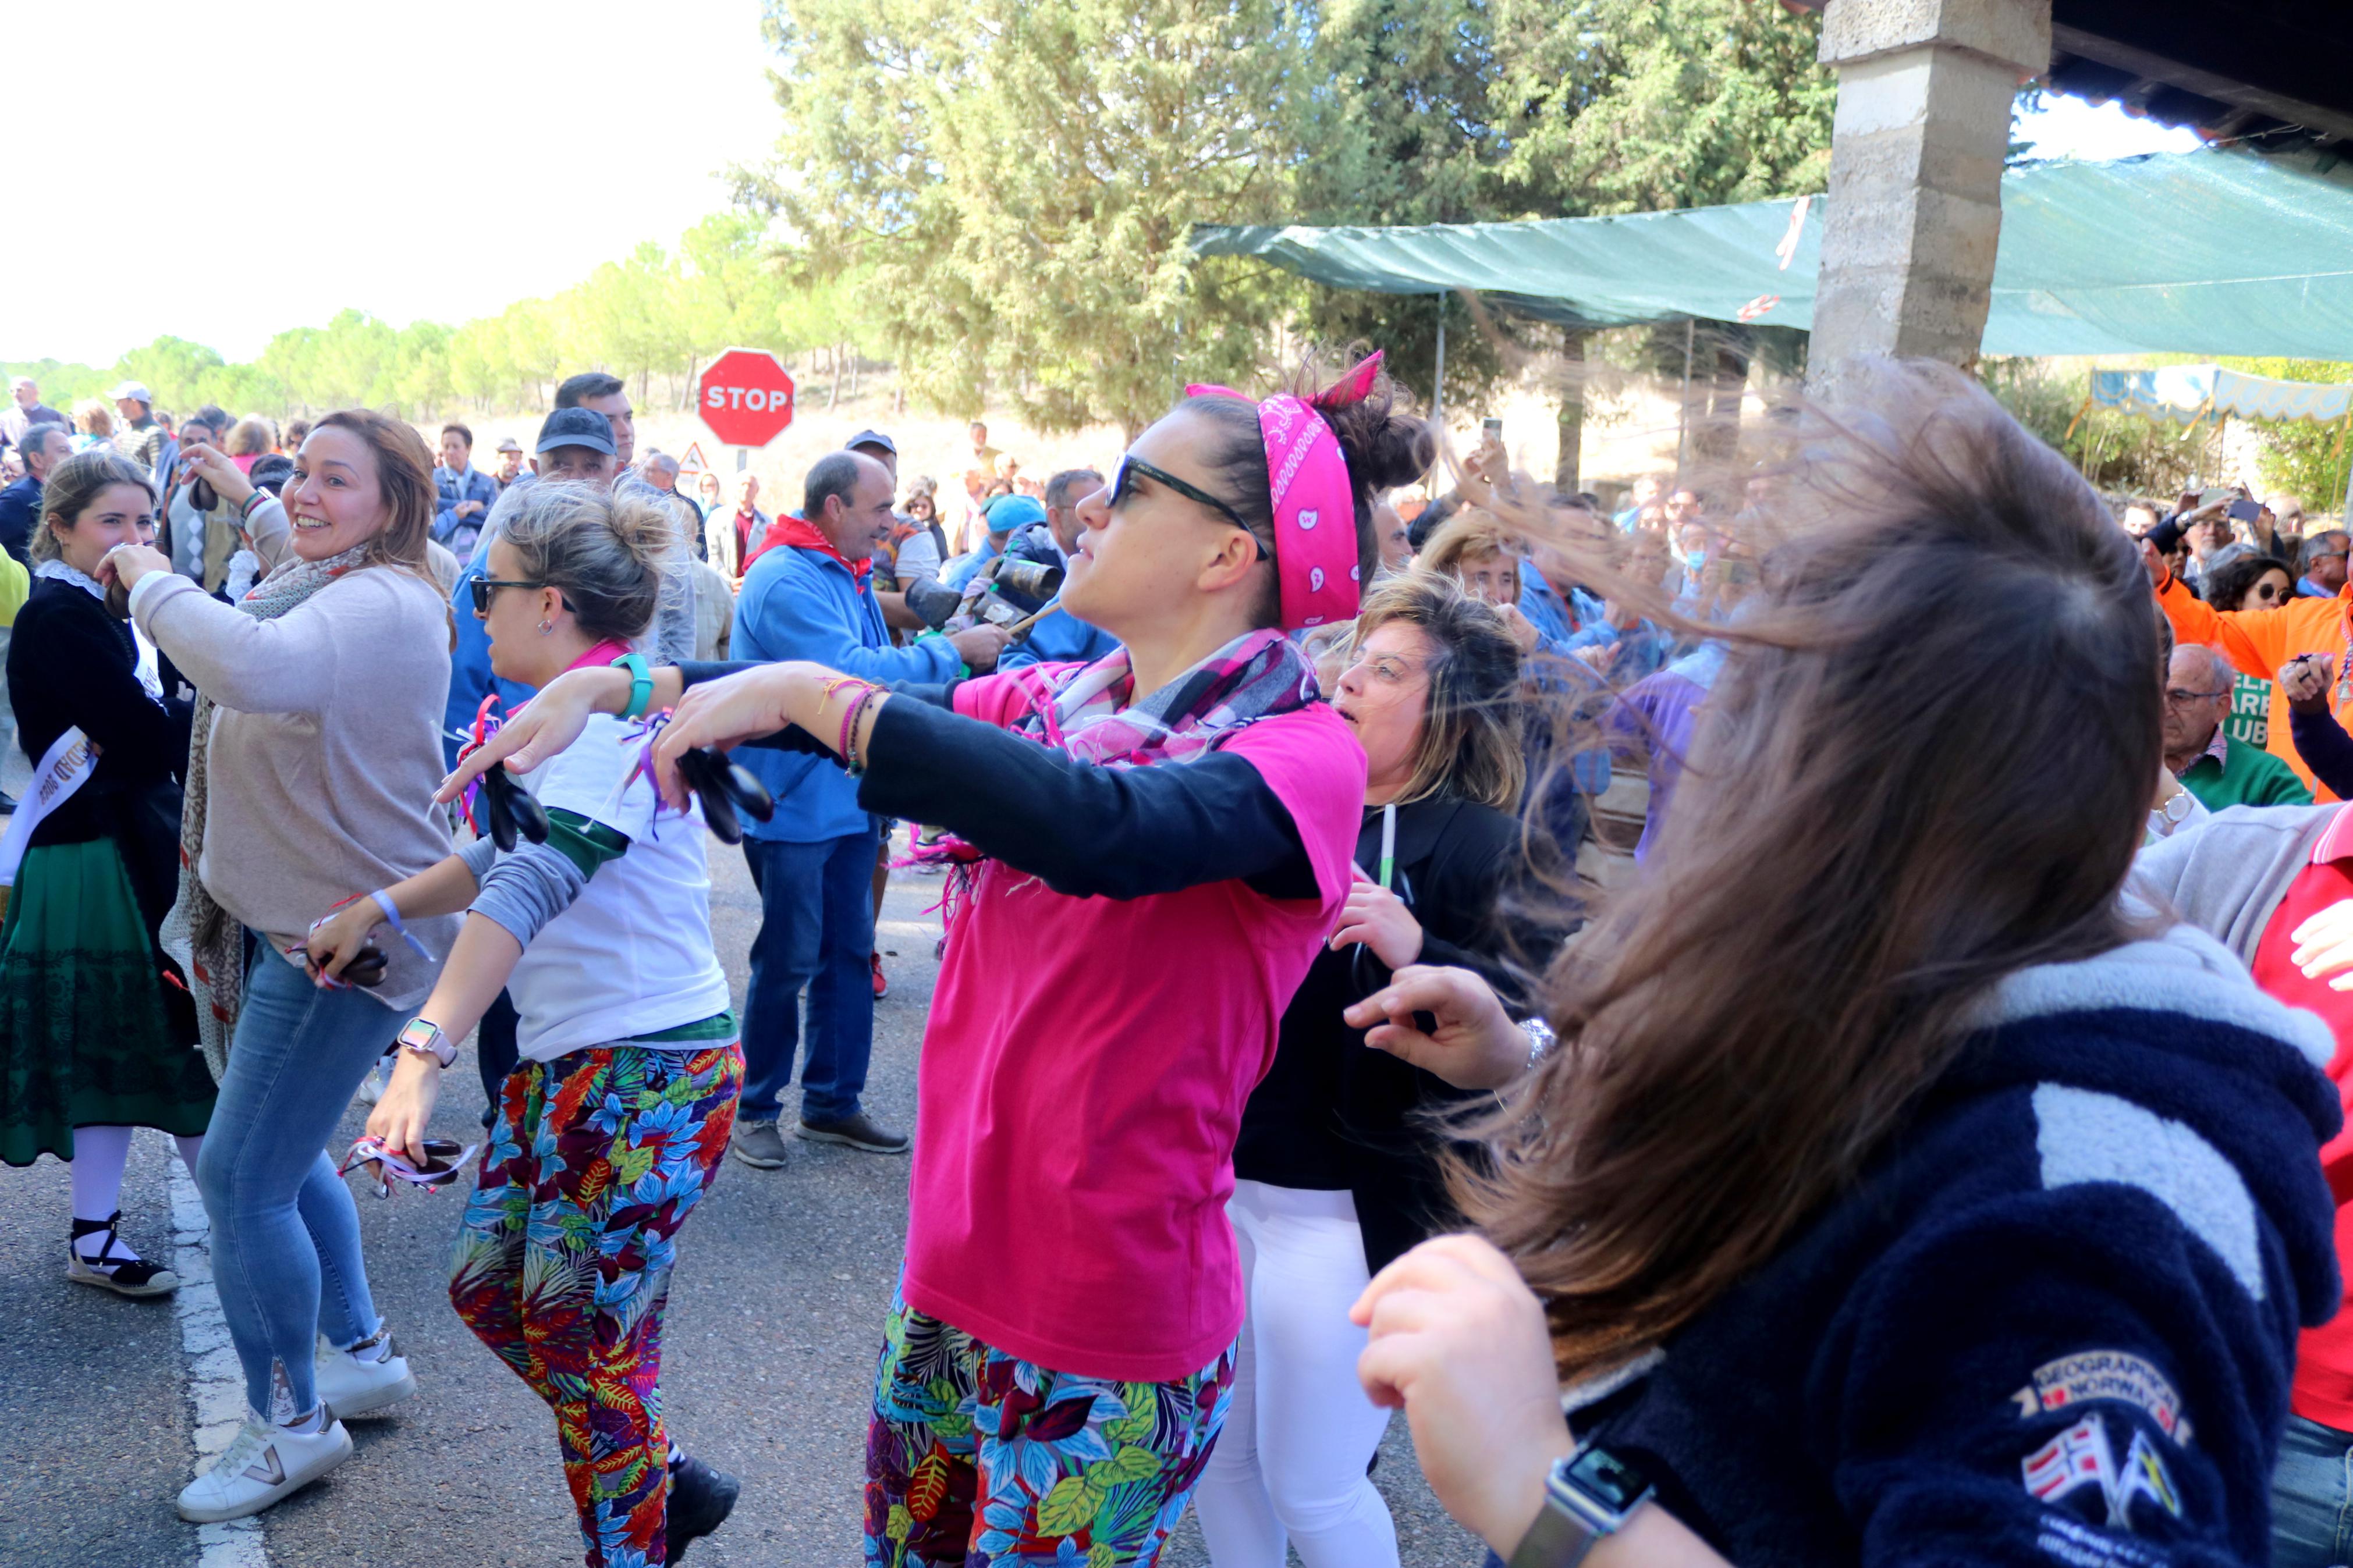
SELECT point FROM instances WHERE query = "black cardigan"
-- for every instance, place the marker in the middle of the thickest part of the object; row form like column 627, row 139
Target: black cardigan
column 71, row 663
column 1333, row 1113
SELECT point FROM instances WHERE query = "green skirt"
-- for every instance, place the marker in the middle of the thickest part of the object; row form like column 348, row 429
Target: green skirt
column 85, row 1040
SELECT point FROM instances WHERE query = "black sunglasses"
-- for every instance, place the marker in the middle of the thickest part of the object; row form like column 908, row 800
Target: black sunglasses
column 1131, row 468
column 486, row 588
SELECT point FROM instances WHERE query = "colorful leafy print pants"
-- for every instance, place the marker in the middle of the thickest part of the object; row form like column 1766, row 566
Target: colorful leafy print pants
column 974, row 1459
column 564, row 1259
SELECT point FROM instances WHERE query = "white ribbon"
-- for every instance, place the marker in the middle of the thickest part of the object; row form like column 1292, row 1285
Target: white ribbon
column 64, row 768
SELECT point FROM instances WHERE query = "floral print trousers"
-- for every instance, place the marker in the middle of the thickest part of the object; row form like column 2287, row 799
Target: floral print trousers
column 974, row 1459
column 564, row 1259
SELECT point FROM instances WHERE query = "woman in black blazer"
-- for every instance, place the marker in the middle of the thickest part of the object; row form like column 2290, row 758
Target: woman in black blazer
column 91, row 1043
column 1336, row 1169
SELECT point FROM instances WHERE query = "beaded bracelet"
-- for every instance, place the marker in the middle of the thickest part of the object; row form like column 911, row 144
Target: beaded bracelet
column 850, row 731
column 849, row 714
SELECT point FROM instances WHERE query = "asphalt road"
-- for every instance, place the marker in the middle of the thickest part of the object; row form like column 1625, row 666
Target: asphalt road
column 783, row 1281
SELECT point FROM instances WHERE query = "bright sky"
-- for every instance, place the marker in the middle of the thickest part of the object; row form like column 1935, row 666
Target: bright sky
column 2070, row 128
column 499, row 149
column 421, row 158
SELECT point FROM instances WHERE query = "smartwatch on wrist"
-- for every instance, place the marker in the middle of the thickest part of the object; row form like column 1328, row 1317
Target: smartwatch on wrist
column 1588, row 1495
column 425, row 1039
column 641, row 684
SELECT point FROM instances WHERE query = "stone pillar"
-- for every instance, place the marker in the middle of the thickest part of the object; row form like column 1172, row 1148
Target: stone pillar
column 1914, row 212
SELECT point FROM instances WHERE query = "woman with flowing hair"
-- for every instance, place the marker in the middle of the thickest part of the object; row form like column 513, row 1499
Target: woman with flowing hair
column 1157, row 845
column 1338, row 1169
column 1896, row 1192
column 316, row 740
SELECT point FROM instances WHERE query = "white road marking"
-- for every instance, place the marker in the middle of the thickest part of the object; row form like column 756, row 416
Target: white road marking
column 215, row 1380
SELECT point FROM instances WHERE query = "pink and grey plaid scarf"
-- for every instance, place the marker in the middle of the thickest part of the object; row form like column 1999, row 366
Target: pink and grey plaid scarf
column 1078, row 710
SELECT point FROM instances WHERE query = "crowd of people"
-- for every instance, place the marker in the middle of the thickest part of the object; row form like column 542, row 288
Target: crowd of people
column 1614, row 982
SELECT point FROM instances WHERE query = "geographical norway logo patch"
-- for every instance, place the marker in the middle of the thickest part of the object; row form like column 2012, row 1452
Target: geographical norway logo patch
column 2105, row 1374
column 2081, row 1456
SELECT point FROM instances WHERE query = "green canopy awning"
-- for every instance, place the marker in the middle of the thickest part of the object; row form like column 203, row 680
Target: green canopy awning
column 2222, row 252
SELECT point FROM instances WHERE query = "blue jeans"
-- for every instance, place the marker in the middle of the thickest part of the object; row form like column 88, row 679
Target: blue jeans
column 285, row 1235
column 2312, row 1496
column 817, row 931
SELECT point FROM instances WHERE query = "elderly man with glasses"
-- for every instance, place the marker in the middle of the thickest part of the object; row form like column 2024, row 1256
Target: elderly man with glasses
column 2197, row 751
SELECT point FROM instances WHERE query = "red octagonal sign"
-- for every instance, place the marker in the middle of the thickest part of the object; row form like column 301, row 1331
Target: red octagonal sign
column 746, row 397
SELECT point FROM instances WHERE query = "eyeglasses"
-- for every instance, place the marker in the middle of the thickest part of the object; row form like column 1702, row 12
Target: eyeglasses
column 2326, row 555
column 2267, row 592
column 2176, row 695
column 1134, row 468
column 486, row 588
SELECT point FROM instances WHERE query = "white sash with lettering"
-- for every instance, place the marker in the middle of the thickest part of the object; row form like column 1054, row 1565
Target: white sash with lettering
column 64, row 768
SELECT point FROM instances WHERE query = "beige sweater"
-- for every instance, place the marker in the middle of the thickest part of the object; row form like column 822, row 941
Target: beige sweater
column 325, row 750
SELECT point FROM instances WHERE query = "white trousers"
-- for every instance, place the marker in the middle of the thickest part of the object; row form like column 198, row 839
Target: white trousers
column 1290, row 1465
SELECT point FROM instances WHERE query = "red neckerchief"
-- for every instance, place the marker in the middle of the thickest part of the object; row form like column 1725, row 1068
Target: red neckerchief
column 802, row 534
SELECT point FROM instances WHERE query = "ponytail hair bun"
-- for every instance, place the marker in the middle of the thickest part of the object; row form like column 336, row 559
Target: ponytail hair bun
column 1385, row 447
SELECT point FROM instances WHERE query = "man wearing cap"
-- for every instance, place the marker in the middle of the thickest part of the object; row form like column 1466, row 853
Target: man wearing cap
column 140, row 438
column 510, row 467
column 1002, row 515
column 811, row 597
column 25, row 410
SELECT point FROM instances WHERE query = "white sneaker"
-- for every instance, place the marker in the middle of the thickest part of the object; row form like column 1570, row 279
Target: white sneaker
column 378, row 1079
column 266, row 1465
column 352, row 1384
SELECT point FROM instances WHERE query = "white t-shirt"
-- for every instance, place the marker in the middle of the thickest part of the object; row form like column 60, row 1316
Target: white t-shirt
column 632, row 956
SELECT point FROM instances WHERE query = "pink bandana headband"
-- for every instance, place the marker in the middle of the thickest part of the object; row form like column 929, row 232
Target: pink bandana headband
column 1315, row 505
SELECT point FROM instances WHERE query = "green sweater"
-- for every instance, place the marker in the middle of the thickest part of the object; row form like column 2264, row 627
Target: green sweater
column 2246, row 775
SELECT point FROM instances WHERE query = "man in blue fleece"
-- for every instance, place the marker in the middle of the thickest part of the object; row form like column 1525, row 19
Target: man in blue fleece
column 812, row 597
column 1058, row 637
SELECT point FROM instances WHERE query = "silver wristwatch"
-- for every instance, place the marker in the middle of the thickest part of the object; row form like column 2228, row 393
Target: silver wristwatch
column 1591, row 1494
column 427, row 1039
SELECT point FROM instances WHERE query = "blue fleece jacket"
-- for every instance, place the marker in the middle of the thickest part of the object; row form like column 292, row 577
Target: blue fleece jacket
column 2053, row 1322
column 799, row 604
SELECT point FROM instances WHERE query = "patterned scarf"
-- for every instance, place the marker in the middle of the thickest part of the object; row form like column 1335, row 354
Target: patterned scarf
column 198, row 932
column 1256, row 676
column 1259, row 675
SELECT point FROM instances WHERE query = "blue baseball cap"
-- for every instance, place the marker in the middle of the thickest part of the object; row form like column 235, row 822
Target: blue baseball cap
column 575, row 428
column 1007, row 513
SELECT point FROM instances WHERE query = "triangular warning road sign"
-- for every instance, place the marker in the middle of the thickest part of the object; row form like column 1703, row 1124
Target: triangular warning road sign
column 692, row 462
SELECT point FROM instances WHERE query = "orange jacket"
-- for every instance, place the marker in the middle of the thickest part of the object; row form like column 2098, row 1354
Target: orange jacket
column 2260, row 641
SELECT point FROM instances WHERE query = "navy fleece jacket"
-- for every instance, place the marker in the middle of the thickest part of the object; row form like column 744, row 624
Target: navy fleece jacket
column 2054, row 1323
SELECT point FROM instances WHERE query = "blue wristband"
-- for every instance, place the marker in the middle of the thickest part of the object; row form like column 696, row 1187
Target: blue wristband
column 384, row 901
column 642, row 683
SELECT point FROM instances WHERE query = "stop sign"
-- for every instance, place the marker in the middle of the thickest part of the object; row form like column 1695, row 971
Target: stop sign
column 746, row 398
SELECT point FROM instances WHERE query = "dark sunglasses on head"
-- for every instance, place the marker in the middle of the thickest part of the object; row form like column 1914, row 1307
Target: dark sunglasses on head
column 1133, row 467
column 486, row 588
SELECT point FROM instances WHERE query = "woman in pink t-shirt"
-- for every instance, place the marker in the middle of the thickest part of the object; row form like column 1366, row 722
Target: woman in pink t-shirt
column 1149, row 851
